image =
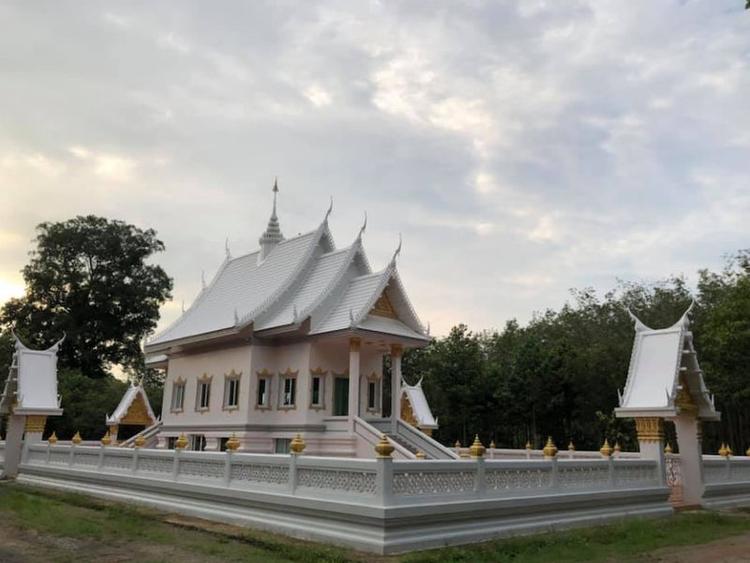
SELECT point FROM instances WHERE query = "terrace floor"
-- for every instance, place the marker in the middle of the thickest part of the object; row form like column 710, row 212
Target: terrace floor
column 39, row 525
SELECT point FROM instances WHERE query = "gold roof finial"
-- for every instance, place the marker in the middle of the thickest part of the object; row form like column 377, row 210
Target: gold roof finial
column 181, row 442
column 550, row 450
column 52, row 440
column 106, row 439
column 233, row 443
column 140, row 441
column 297, row 445
column 77, row 438
column 668, row 448
column 384, row 448
column 477, row 448
column 606, row 449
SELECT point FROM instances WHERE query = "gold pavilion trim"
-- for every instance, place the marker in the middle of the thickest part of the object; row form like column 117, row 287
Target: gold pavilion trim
column 649, row 429
column 35, row 423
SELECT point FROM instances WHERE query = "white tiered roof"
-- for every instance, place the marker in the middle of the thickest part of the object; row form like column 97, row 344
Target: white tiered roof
column 299, row 284
column 661, row 360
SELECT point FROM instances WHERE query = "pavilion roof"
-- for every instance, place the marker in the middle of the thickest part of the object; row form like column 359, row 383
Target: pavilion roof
column 664, row 377
column 419, row 405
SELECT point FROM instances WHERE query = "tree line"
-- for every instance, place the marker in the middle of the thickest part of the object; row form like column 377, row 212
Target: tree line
column 559, row 374
column 92, row 279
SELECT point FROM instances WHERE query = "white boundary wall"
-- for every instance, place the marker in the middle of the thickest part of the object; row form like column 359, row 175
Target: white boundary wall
column 376, row 505
column 727, row 481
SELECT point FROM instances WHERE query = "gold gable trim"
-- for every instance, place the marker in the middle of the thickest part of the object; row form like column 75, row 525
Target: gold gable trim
column 383, row 307
column 137, row 413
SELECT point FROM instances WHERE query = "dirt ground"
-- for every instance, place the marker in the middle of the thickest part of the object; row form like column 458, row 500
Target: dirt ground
column 728, row 550
column 29, row 546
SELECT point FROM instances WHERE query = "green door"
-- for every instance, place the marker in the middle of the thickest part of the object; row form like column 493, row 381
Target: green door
column 340, row 396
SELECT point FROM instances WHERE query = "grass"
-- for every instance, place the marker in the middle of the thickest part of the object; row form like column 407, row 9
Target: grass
column 72, row 527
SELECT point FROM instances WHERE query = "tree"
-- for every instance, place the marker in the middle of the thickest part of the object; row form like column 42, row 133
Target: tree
column 89, row 278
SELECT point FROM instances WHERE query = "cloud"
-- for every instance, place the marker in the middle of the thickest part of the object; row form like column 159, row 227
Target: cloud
column 522, row 148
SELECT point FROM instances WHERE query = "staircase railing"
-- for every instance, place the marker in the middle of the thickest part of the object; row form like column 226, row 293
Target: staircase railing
column 431, row 448
column 371, row 435
column 149, row 434
column 415, row 438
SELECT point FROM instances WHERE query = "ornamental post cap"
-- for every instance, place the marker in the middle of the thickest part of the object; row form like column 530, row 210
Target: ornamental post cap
column 232, row 443
column 77, row 438
column 140, row 441
column 477, row 448
column 297, row 445
column 528, row 444
column 550, row 450
column 106, row 439
column 492, row 445
column 606, row 449
column 52, row 440
column 457, row 444
column 668, row 448
column 618, row 449
column 420, row 455
column 571, row 447
column 181, row 442
column 384, row 448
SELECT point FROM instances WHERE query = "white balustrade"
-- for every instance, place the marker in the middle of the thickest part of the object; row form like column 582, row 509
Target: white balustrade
column 384, row 480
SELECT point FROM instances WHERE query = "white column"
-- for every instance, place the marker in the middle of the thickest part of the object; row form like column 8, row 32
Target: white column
column 651, row 441
column 354, row 346
column 13, row 443
column 396, row 352
column 691, row 457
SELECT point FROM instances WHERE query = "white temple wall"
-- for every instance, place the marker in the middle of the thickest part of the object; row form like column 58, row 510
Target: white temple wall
column 215, row 364
column 279, row 360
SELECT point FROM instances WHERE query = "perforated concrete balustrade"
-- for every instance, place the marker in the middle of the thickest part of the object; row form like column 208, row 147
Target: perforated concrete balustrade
column 385, row 481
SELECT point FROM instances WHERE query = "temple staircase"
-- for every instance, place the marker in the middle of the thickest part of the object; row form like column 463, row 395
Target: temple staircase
column 149, row 434
column 412, row 439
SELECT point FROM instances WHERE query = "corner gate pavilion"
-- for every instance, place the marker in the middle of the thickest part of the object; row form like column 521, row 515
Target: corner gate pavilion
column 275, row 416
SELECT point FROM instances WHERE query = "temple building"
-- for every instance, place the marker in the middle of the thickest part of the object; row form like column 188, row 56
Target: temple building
column 291, row 339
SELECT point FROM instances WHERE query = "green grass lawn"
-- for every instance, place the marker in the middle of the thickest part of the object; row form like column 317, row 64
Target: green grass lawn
column 39, row 525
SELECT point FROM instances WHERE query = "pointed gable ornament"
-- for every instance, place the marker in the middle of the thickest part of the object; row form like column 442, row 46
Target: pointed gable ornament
column 330, row 209
column 362, row 228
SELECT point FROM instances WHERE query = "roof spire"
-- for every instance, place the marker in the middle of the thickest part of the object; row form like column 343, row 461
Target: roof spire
column 272, row 235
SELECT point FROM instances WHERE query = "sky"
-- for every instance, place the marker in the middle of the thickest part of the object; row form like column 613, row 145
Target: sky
column 521, row 148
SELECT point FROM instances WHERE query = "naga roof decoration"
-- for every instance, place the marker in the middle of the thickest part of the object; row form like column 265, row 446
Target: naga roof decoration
column 300, row 283
column 664, row 378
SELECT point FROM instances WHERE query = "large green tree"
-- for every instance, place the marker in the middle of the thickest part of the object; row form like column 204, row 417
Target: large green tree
column 89, row 277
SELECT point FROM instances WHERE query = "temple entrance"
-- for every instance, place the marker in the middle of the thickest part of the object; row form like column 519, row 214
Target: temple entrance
column 341, row 396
